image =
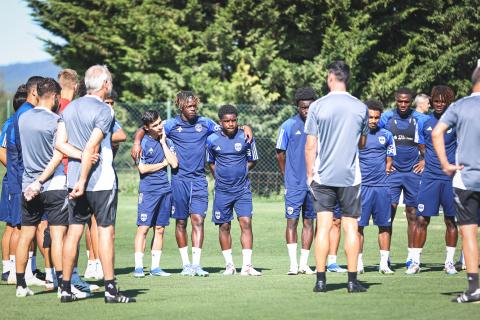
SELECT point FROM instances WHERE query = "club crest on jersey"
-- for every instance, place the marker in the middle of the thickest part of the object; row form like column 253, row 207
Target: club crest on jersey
column 421, row 207
column 140, row 198
column 381, row 140
column 143, row 217
column 238, row 147
column 217, row 215
column 150, row 150
column 198, row 127
column 289, row 210
column 449, row 130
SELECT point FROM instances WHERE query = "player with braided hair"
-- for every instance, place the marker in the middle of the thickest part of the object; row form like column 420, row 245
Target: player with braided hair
column 435, row 186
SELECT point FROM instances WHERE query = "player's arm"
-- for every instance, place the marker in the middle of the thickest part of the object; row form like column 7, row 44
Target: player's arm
column 136, row 150
column 248, row 132
column 62, row 145
column 92, row 145
column 211, row 157
column 364, row 132
column 310, row 154
column 119, row 136
column 418, row 167
column 362, row 141
column 3, row 156
column 251, row 165
column 252, row 154
column 281, row 159
column 439, row 145
column 211, row 165
column 169, row 155
column 144, row 168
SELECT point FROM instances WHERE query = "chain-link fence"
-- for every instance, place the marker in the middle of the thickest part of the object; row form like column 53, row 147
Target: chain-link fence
column 265, row 121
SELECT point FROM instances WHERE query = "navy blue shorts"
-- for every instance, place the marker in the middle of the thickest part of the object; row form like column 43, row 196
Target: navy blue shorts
column 189, row 196
column 154, row 209
column 15, row 209
column 225, row 202
column 408, row 182
column 434, row 193
column 4, row 215
column 296, row 201
column 376, row 203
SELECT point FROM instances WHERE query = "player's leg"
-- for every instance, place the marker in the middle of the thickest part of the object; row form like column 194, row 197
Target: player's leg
column 12, row 249
column 180, row 212
column 244, row 208
column 411, row 185
column 222, row 215
column 90, row 271
column 361, row 237
column 139, row 245
column 27, row 235
column 384, row 245
column 198, row 210
column 451, row 232
column 96, row 255
column 307, row 239
column 368, row 201
column 394, row 181
column 164, row 207
column 335, row 234
column 146, row 217
column 294, row 201
column 7, row 234
column 15, row 219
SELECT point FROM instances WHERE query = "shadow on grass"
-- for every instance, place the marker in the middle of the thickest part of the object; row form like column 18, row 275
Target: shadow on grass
column 132, row 293
column 452, row 293
column 343, row 286
column 432, row 267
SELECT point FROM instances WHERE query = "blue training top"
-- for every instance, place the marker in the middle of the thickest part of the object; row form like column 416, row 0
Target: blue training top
column 190, row 140
column 231, row 157
column 152, row 153
column 379, row 146
column 291, row 139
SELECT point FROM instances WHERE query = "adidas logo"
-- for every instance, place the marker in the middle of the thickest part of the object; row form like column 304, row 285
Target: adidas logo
column 218, row 148
column 429, row 129
column 298, row 132
column 179, row 129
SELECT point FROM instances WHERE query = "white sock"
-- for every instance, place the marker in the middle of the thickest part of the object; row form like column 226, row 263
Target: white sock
column 304, row 257
column 28, row 267
column 292, row 253
column 247, row 257
column 462, row 258
column 415, row 254
column 91, row 262
column 227, row 255
column 450, row 254
column 98, row 265
column 184, row 255
column 360, row 259
column 409, row 255
column 138, row 260
column 88, row 255
column 331, row 259
column 196, row 254
column 5, row 266
column 49, row 274
column 156, row 255
column 384, row 256
column 33, row 260
column 13, row 267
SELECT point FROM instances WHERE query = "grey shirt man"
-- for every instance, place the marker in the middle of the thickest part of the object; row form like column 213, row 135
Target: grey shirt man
column 464, row 115
column 80, row 118
column 38, row 129
column 337, row 119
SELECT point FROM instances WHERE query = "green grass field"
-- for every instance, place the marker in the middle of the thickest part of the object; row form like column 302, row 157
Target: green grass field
column 272, row 296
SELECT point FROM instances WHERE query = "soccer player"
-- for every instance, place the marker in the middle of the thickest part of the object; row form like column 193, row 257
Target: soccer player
column 463, row 116
column 14, row 177
column 422, row 103
column 290, row 149
column 230, row 159
column 84, row 129
column 333, row 172
column 10, row 234
column 43, row 185
column 189, row 133
column 405, row 124
column 375, row 164
column 154, row 192
column 436, row 187
column 68, row 79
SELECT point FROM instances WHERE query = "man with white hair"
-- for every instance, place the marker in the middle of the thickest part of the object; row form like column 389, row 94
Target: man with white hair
column 85, row 128
column 422, row 103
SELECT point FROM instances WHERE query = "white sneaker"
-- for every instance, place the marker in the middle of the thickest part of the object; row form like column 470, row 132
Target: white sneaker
column 386, row 270
column 99, row 271
column 293, row 271
column 91, row 271
column 78, row 293
column 23, row 292
column 305, row 270
column 34, row 281
column 229, row 270
column 360, row 268
column 12, row 277
column 450, row 268
column 413, row 268
column 249, row 271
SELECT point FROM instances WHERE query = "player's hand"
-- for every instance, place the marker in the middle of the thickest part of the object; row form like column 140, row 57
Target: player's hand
column 418, row 168
column 77, row 191
column 95, row 157
column 136, row 152
column 163, row 139
column 391, row 170
column 450, row 169
column 248, row 133
column 309, row 181
column 32, row 190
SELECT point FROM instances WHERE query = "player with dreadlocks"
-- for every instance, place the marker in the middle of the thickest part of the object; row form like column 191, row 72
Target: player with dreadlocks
column 435, row 186
column 188, row 132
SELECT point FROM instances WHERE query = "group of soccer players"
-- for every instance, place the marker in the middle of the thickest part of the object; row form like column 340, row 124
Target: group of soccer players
column 342, row 160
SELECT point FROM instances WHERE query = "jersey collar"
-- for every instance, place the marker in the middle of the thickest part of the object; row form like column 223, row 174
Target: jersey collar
column 475, row 94
column 94, row 96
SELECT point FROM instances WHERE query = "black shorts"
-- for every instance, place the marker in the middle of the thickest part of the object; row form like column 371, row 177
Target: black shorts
column 468, row 204
column 52, row 203
column 326, row 198
column 102, row 204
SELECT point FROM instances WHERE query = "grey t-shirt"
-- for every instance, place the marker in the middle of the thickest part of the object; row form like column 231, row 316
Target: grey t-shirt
column 464, row 116
column 337, row 120
column 81, row 117
column 38, row 129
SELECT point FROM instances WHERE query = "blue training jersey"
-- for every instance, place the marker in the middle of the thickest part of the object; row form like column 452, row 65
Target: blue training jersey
column 152, row 153
column 14, row 151
column 406, row 133
column 231, row 157
column 433, row 169
column 291, row 139
column 379, row 145
column 190, row 141
column 3, row 139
